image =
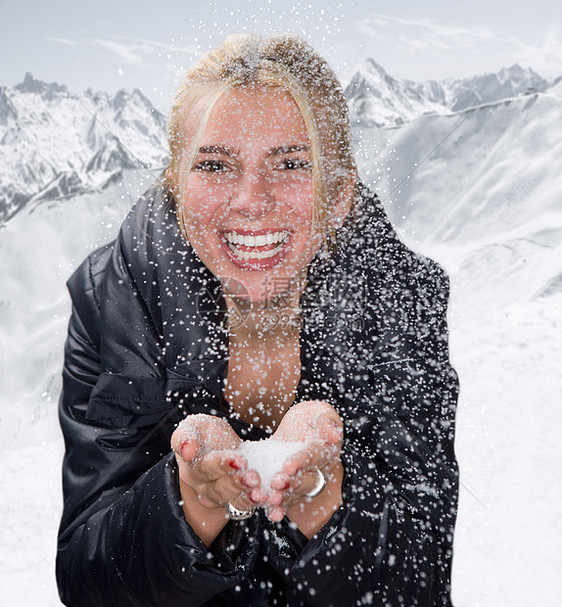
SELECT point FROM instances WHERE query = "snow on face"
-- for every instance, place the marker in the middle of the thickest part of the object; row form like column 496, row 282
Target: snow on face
column 248, row 196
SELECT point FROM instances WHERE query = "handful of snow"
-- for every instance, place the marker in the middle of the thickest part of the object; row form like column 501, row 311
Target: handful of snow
column 267, row 456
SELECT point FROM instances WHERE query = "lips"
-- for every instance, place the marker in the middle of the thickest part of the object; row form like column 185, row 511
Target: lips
column 256, row 249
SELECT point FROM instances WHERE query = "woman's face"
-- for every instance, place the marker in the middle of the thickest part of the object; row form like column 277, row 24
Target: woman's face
column 248, row 197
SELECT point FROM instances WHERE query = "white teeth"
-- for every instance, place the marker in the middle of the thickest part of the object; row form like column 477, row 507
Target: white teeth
column 246, row 255
column 256, row 241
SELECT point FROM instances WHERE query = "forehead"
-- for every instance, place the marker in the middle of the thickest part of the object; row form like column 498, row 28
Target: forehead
column 252, row 115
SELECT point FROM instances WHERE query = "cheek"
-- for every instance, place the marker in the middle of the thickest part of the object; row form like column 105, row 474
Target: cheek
column 202, row 203
column 296, row 197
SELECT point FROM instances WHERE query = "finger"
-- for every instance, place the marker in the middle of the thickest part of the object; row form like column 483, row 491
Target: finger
column 310, row 414
column 215, row 464
column 185, row 438
column 228, row 471
column 237, row 491
column 306, row 482
column 209, row 431
column 290, row 489
column 186, row 448
column 242, row 502
column 280, row 489
column 277, row 498
column 281, row 481
column 222, row 492
column 317, row 454
column 300, row 460
column 275, row 514
column 218, row 485
column 245, row 480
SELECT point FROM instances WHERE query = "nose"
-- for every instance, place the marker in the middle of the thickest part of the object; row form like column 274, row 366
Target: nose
column 252, row 196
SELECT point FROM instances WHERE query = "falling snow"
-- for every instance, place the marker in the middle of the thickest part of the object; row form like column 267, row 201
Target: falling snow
column 498, row 238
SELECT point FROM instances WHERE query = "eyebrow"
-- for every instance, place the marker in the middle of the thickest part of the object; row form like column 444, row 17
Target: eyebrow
column 287, row 149
column 277, row 150
column 226, row 150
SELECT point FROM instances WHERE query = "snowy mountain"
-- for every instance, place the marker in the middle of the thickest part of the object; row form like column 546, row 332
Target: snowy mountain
column 55, row 144
column 463, row 93
column 378, row 99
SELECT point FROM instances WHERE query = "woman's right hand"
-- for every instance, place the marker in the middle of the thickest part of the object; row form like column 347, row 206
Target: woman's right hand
column 211, row 473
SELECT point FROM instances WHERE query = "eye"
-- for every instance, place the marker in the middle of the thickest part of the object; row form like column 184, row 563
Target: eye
column 211, row 166
column 293, row 164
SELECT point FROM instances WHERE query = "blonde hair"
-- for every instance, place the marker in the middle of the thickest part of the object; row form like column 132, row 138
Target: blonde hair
column 288, row 62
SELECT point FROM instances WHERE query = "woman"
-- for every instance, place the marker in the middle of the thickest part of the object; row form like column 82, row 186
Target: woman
column 258, row 293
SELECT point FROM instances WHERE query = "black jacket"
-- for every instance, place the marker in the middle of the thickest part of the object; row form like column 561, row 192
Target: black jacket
column 147, row 346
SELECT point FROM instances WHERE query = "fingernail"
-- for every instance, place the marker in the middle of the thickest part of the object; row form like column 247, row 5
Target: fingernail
column 248, row 482
column 184, row 445
column 233, row 464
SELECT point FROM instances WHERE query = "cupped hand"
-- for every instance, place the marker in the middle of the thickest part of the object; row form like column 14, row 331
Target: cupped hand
column 318, row 424
column 211, row 472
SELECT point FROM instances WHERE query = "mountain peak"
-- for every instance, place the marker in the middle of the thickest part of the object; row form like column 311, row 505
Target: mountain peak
column 379, row 99
column 372, row 65
column 522, row 76
column 32, row 85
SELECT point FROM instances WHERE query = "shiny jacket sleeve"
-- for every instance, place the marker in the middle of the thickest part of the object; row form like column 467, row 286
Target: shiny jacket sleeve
column 123, row 539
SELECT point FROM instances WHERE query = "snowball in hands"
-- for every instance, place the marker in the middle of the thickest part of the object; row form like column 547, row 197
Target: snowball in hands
column 267, row 456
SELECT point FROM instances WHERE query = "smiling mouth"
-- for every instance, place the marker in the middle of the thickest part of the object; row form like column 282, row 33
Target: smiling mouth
column 265, row 245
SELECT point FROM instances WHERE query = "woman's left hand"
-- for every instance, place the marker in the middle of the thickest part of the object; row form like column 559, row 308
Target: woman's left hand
column 319, row 425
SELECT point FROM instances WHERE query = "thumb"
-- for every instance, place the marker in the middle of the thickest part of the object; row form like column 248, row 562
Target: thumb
column 188, row 449
column 185, row 444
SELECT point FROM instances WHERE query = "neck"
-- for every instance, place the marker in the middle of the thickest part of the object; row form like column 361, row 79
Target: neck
column 277, row 318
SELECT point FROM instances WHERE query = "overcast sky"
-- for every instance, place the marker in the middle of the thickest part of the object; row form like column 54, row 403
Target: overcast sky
column 107, row 45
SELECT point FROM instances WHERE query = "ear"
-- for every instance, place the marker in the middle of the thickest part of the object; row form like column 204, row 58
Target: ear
column 344, row 199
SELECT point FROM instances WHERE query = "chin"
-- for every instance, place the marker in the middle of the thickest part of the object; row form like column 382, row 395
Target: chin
column 262, row 286
column 241, row 288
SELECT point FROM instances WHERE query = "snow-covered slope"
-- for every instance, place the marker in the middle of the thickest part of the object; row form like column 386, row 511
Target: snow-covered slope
column 38, row 252
column 54, row 143
column 490, row 185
